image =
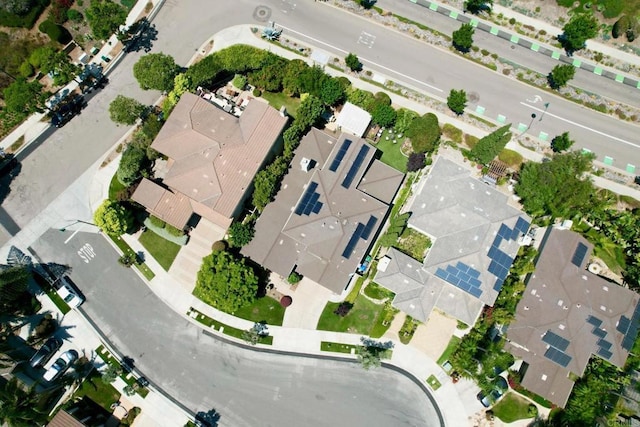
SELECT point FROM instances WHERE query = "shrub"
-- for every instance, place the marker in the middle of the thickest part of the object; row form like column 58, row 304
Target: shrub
column 26, row 69
column 424, row 133
column 218, row 245
column 512, row 21
column 415, row 162
column 55, row 32
column 241, row 234
column 294, row 278
column 510, row 157
column 157, row 221
column 286, row 301
column 74, row 15
column 257, row 92
column 343, row 309
column 21, row 17
column 452, row 133
column 239, row 81
column 173, row 230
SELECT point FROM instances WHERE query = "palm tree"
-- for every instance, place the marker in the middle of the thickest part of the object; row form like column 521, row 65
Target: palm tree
column 18, row 408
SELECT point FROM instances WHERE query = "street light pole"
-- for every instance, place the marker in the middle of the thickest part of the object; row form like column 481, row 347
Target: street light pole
column 77, row 221
column 533, row 117
column 546, row 105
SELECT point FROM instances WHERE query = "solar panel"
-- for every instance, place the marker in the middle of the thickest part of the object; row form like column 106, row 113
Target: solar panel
column 515, row 233
column 493, row 268
column 522, row 225
column 355, row 167
column 623, row 324
column 498, row 285
column 601, row 333
column 496, row 242
column 311, row 203
column 353, row 241
column 452, row 270
column 441, row 274
column 340, row 155
column 604, row 353
column 594, row 321
column 604, row 344
column 557, row 356
column 493, row 252
column 317, row 207
column 555, row 340
column 462, row 266
column 474, row 273
column 475, row 282
column 504, row 231
column 369, row 227
column 579, row 254
column 476, row 292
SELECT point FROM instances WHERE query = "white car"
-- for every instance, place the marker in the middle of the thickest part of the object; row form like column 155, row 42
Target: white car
column 69, row 294
column 60, row 366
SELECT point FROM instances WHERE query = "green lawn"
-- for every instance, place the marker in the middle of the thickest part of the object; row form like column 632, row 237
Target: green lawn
column 264, row 309
column 360, row 319
column 375, row 291
column 512, row 408
column 337, row 347
column 226, row 329
column 453, row 343
column 391, row 154
column 161, row 249
column 127, row 377
column 115, row 187
column 95, row 389
column 433, row 382
column 278, row 99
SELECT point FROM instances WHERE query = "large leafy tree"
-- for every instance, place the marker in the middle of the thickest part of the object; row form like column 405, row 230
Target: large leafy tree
column 457, row 101
column 18, row 408
column 331, row 91
column 309, row 112
column 14, row 297
column 560, row 75
column 424, row 133
column 225, row 282
column 105, row 17
column 580, row 28
column 112, row 218
column 557, row 188
column 491, row 145
column 156, row 71
column 241, row 234
column 383, row 115
column 125, row 110
column 462, row 38
column 24, row 97
column 290, row 80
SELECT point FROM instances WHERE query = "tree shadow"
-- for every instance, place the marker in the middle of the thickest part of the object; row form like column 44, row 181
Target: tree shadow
column 208, row 419
column 10, row 168
column 143, row 35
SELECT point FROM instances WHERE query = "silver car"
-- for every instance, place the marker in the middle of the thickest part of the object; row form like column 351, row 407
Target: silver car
column 61, row 365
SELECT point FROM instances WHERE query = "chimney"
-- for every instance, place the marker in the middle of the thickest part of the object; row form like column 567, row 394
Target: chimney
column 305, row 164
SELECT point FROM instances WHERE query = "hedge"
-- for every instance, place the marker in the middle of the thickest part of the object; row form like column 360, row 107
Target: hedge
column 24, row 21
column 162, row 232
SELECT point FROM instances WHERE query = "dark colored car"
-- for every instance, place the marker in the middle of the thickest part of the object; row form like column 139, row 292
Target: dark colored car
column 66, row 110
column 500, row 386
column 45, row 352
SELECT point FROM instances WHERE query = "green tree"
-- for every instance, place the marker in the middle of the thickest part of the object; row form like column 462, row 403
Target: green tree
column 331, row 91
column 580, row 28
column 266, row 182
column 240, row 234
column 24, row 97
column 55, row 62
column 383, row 115
column 156, row 71
column 19, row 408
column 311, row 79
column 491, row 145
column 353, row 62
column 290, row 79
column 110, row 373
column 560, row 75
column 404, row 117
column 133, row 161
column 424, row 133
column 561, row 142
column 361, row 98
column 14, row 296
column 105, row 17
column 269, row 77
column 371, row 353
column 621, row 26
column 477, row 6
column 16, row 7
column 226, row 282
column 125, row 110
column 309, row 111
column 558, row 188
column 462, row 38
column 457, row 101
column 112, row 218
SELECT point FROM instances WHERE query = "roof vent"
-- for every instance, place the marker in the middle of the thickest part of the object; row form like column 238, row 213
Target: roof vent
column 283, row 111
column 305, row 164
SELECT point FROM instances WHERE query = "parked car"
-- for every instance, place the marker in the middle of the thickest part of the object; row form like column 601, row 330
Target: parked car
column 69, row 294
column 500, row 386
column 66, row 110
column 61, row 365
column 45, row 352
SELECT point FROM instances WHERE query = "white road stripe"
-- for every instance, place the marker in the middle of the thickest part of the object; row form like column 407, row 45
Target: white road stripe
column 581, row 125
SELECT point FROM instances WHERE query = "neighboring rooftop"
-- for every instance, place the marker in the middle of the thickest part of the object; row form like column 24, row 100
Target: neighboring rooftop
column 568, row 314
column 323, row 220
column 214, row 155
column 475, row 233
column 353, row 119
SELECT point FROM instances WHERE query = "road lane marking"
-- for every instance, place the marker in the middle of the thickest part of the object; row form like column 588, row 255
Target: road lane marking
column 624, row 141
column 363, row 59
column 72, row 235
column 86, row 253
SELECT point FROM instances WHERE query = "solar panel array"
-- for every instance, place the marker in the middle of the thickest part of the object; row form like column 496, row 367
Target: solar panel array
column 462, row 276
column 555, row 340
column 340, row 155
column 310, row 201
column 500, row 261
column 629, row 327
column 579, row 254
column 594, row 321
column 361, row 232
column 557, row 356
column 603, row 345
column 355, row 166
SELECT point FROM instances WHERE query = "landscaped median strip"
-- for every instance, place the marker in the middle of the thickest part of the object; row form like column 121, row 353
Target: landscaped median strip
column 126, row 249
column 222, row 328
column 433, row 382
column 127, row 377
column 336, row 347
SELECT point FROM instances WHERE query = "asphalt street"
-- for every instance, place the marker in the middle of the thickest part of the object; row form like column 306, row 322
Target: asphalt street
column 183, row 26
column 246, row 387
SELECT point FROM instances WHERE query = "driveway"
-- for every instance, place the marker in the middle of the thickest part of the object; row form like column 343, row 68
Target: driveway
column 246, row 387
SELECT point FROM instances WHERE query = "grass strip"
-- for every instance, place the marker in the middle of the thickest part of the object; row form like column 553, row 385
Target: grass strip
column 337, row 347
column 433, row 382
column 127, row 377
column 52, row 294
column 126, row 249
column 225, row 329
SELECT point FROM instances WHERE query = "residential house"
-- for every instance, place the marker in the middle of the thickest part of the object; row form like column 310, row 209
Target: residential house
column 213, row 158
column 325, row 217
column 567, row 315
column 475, row 235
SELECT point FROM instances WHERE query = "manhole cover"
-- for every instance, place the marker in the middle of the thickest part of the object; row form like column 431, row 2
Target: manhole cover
column 262, row 13
column 474, row 97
